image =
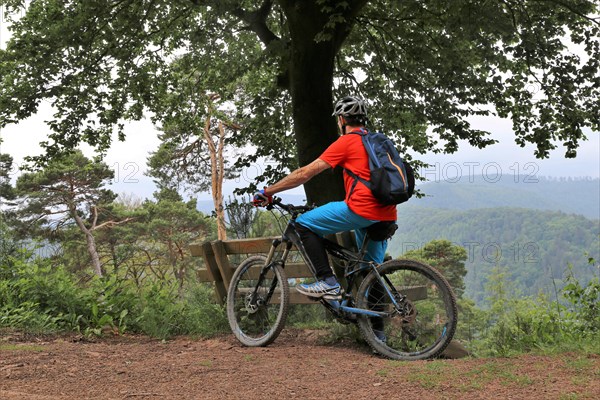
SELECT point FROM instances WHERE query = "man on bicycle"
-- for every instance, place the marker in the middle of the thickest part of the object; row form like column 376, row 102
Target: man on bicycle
column 358, row 211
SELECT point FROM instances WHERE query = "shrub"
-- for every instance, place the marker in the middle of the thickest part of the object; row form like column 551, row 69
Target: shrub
column 525, row 324
column 164, row 314
column 39, row 297
column 584, row 303
column 203, row 316
column 27, row 317
column 161, row 313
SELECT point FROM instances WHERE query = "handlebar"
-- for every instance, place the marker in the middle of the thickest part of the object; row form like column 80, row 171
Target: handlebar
column 292, row 209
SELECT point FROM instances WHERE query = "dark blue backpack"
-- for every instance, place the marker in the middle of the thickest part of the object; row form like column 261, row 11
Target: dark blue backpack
column 392, row 180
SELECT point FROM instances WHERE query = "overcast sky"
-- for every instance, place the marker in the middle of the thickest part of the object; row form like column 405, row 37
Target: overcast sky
column 129, row 158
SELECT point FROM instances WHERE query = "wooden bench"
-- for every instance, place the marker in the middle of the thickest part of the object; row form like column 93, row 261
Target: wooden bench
column 219, row 266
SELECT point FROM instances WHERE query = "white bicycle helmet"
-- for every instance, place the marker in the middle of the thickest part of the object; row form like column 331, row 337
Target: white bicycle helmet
column 350, row 107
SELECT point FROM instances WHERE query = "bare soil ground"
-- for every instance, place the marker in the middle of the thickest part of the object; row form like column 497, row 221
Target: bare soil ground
column 297, row 365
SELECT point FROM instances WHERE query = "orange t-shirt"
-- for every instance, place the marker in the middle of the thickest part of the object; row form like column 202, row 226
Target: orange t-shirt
column 348, row 152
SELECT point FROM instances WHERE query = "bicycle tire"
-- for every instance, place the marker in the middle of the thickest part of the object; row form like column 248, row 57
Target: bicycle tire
column 259, row 324
column 429, row 311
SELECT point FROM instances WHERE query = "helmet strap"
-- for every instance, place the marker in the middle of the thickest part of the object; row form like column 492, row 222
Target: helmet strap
column 343, row 124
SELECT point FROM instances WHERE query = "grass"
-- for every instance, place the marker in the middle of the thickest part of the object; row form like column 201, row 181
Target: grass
column 569, row 396
column 579, row 364
column 481, row 375
column 433, row 374
column 581, row 370
column 585, row 346
column 436, row 366
column 509, row 378
column 17, row 347
column 427, row 381
column 428, row 375
column 580, row 380
column 339, row 332
column 472, row 386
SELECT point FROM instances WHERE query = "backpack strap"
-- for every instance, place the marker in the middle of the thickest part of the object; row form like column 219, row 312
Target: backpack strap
column 356, row 179
column 362, row 132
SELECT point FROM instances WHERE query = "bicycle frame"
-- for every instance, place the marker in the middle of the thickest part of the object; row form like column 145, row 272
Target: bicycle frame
column 404, row 309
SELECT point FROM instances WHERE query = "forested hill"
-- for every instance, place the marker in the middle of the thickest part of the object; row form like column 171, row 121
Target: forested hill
column 570, row 195
column 531, row 226
column 533, row 246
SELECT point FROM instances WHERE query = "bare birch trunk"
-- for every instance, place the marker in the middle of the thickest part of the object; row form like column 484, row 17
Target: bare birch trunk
column 217, row 175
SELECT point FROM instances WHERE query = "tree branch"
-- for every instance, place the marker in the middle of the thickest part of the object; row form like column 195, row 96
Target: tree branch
column 110, row 224
column 579, row 14
column 343, row 30
column 95, row 220
column 257, row 21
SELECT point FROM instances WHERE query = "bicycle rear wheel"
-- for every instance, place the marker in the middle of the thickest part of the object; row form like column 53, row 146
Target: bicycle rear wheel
column 257, row 308
column 425, row 320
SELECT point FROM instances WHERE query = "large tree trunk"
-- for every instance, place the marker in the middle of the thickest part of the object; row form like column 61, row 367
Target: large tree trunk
column 314, row 127
column 311, row 67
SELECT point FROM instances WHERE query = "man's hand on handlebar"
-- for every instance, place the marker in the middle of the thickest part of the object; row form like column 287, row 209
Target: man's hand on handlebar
column 262, row 199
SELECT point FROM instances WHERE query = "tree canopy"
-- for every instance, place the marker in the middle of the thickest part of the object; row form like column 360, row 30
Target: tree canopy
column 6, row 189
column 424, row 67
column 70, row 190
column 448, row 258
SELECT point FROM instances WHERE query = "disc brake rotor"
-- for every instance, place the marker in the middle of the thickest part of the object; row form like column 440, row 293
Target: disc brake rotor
column 251, row 307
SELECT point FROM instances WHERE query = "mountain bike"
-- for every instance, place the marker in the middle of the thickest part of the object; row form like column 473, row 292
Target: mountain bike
column 405, row 309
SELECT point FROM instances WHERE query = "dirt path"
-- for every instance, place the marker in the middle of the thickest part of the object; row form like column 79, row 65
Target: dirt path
column 295, row 366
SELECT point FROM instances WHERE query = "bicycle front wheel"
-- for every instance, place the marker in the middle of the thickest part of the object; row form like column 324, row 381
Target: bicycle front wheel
column 257, row 307
column 423, row 319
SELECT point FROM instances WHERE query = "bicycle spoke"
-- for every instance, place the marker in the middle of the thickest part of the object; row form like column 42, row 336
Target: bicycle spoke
column 257, row 307
column 425, row 317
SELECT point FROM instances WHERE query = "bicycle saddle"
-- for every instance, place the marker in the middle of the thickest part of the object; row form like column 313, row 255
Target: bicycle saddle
column 382, row 230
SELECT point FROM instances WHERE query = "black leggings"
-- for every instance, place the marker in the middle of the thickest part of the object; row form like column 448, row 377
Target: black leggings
column 315, row 249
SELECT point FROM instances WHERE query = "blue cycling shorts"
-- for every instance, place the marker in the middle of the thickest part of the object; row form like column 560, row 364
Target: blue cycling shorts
column 337, row 217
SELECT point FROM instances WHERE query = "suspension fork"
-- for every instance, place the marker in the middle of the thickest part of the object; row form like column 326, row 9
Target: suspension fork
column 263, row 272
column 284, row 257
column 265, row 269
